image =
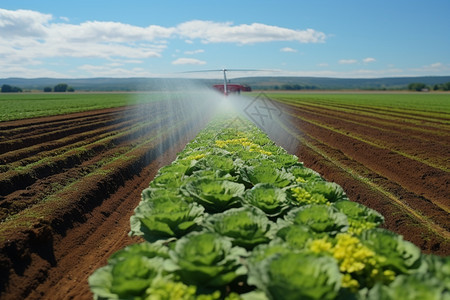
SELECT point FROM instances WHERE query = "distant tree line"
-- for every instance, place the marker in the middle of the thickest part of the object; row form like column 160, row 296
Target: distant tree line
column 295, row 87
column 6, row 88
column 442, row 87
column 418, row 86
column 59, row 88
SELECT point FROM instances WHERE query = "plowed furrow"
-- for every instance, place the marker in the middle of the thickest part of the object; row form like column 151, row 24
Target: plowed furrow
column 50, row 165
column 67, row 142
column 432, row 153
column 392, row 165
column 390, row 125
column 75, row 128
column 25, row 127
column 432, row 118
column 70, row 230
column 406, row 212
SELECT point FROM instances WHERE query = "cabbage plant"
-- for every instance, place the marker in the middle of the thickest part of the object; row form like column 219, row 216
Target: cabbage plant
column 298, row 275
column 304, row 174
column 215, row 196
column 129, row 272
column 330, row 190
column 297, row 236
column 206, row 259
column 245, row 226
column 393, row 252
column 360, row 217
column 221, row 163
column 269, row 198
column 319, row 218
column 265, row 172
column 415, row 287
column 284, row 160
column 165, row 217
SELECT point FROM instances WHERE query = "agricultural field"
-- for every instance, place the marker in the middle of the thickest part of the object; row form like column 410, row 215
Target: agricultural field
column 69, row 183
column 25, row 106
column 389, row 152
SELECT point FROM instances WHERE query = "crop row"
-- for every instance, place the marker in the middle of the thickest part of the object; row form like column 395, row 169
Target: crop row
column 237, row 217
column 383, row 153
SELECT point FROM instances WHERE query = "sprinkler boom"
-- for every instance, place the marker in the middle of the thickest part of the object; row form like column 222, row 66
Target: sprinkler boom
column 226, row 88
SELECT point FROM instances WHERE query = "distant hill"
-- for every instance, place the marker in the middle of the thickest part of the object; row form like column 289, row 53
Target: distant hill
column 257, row 83
column 393, row 83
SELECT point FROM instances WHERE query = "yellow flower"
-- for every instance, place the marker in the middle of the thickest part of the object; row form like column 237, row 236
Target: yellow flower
column 350, row 283
column 351, row 253
column 389, row 275
column 320, row 245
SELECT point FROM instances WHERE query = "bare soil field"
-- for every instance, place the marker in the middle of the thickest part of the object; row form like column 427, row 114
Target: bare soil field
column 397, row 165
column 68, row 184
column 68, row 187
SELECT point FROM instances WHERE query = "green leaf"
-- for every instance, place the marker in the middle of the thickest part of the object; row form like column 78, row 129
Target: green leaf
column 265, row 172
column 284, row 160
column 246, row 226
column 269, row 198
column 299, row 276
column 413, row 287
column 126, row 278
column 360, row 217
column 215, row 196
column 217, row 162
column 303, row 174
column 397, row 254
column 319, row 218
column 145, row 249
column 165, row 217
column 296, row 236
column 330, row 190
column 206, row 259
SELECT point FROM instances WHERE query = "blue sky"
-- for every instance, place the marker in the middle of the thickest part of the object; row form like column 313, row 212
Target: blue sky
column 331, row 38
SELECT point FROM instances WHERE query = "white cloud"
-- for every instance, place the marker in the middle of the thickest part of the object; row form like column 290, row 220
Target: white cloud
column 188, row 61
column 114, row 71
column 432, row 68
column 369, row 60
column 288, row 49
column 23, row 23
column 108, row 32
column 436, row 65
column 214, row 32
column 347, row 61
column 194, row 52
column 34, row 35
column 323, row 65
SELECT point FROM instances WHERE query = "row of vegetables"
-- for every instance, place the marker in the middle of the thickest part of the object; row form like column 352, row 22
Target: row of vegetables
column 237, row 217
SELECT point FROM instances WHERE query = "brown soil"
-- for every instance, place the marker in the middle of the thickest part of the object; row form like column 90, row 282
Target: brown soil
column 381, row 163
column 66, row 219
column 52, row 255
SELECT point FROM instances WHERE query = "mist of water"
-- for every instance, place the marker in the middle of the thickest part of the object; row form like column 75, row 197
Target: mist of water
column 188, row 106
column 179, row 109
column 266, row 114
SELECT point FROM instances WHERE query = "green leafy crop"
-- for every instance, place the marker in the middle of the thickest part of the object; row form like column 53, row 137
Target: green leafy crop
column 319, row 218
column 299, row 276
column 206, row 259
column 237, row 217
column 269, row 198
column 215, row 196
column 165, row 217
column 246, row 226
